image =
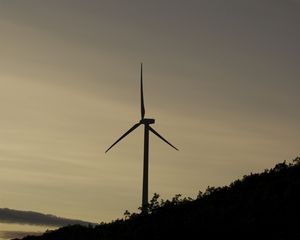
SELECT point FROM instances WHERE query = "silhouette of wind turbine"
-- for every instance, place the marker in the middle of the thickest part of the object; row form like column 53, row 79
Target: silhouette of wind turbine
column 146, row 122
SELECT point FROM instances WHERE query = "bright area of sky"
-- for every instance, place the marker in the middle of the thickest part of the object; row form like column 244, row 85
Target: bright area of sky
column 221, row 79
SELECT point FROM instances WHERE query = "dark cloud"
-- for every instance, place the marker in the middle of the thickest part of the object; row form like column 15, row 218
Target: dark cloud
column 16, row 234
column 34, row 218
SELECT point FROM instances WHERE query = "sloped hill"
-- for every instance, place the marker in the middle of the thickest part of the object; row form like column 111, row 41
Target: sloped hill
column 259, row 206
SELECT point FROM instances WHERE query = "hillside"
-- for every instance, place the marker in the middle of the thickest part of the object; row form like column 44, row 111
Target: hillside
column 259, row 206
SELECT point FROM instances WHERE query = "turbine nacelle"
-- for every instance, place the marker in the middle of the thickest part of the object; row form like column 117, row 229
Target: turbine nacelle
column 147, row 121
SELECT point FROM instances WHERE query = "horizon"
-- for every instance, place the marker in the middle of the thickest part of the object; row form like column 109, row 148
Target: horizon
column 221, row 80
column 39, row 221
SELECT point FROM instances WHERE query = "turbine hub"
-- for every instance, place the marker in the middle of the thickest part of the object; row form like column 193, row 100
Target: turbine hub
column 147, row 121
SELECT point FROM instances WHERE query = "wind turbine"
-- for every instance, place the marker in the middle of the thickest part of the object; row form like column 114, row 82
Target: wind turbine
column 146, row 122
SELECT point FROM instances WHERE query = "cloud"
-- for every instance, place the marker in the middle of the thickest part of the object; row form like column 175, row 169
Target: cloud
column 34, row 218
column 16, row 234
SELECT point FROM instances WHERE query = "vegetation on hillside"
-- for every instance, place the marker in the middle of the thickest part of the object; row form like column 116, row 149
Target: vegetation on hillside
column 258, row 206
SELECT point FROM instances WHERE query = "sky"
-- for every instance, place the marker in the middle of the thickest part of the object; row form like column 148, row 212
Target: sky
column 221, row 78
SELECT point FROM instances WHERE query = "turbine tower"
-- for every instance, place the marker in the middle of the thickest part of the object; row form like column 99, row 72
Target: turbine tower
column 146, row 122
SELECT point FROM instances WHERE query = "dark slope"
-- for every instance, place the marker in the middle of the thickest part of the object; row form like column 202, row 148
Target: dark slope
column 260, row 206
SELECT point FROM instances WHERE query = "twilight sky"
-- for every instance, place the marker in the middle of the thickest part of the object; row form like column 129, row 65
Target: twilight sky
column 221, row 79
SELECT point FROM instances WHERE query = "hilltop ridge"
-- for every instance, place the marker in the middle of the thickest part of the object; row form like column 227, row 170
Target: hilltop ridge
column 259, row 206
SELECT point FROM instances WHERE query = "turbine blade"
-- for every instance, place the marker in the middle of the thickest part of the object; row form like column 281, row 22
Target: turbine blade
column 124, row 135
column 162, row 138
column 142, row 94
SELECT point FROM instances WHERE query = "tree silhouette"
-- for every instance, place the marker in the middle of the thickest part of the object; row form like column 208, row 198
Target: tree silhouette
column 259, row 206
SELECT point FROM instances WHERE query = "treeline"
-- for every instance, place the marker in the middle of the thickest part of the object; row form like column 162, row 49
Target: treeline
column 258, row 206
